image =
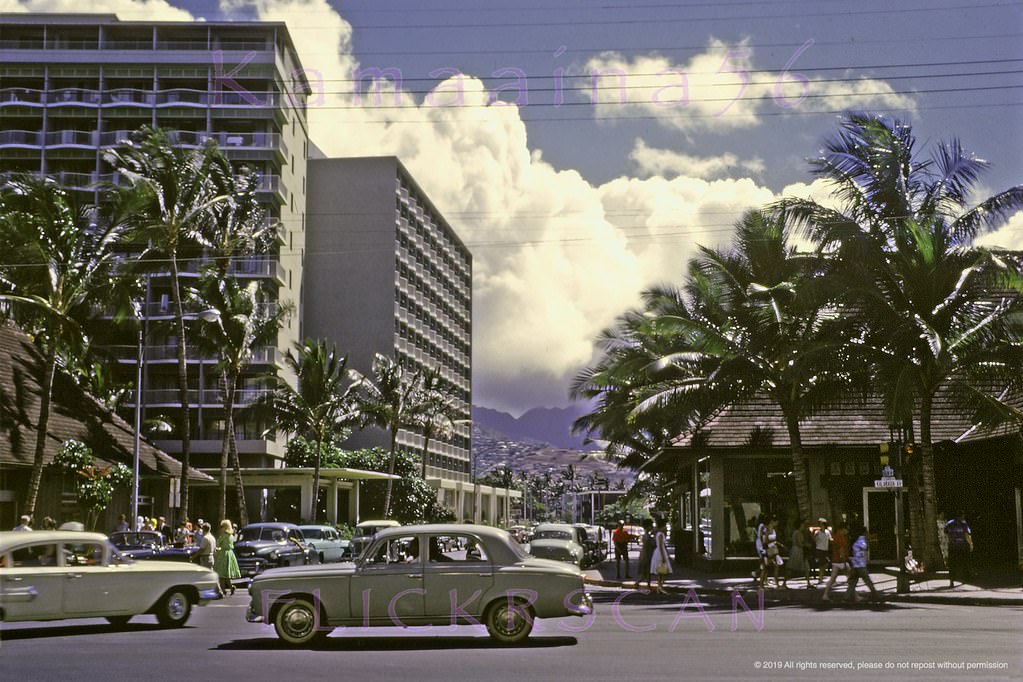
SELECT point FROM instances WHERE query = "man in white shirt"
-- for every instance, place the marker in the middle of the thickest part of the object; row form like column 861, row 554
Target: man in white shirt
column 23, row 526
column 822, row 548
column 207, row 547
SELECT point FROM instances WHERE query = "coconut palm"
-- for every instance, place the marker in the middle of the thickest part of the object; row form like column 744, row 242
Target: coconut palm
column 180, row 192
column 57, row 260
column 392, row 400
column 439, row 414
column 247, row 321
column 322, row 404
column 941, row 315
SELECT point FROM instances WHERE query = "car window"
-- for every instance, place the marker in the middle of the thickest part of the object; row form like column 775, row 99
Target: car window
column 452, row 548
column 404, row 549
column 316, row 534
column 551, row 534
column 35, row 555
column 83, row 554
column 275, row 535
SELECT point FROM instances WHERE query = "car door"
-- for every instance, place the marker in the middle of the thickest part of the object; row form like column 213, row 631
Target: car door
column 94, row 585
column 333, row 547
column 387, row 587
column 457, row 575
column 32, row 583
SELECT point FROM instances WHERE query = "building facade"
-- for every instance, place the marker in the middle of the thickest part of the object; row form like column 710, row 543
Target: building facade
column 72, row 86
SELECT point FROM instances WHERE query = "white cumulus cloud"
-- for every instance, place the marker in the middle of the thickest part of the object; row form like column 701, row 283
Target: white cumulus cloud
column 653, row 161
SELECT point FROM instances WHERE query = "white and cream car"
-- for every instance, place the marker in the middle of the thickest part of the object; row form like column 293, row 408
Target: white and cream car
column 56, row 575
column 429, row 575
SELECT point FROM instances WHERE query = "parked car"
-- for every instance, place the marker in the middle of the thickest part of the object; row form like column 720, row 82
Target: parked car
column 407, row 577
column 325, row 544
column 366, row 531
column 260, row 546
column 148, row 544
column 595, row 543
column 55, row 575
column 560, row 542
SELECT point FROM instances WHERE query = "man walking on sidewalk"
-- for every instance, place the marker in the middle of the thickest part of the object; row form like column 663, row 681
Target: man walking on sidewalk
column 858, row 561
column 960, row 544
column 620, row 538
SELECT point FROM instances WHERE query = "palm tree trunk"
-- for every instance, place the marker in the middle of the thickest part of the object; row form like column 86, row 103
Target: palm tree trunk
column 390, row 470
column 426, row 450
column 45, row 398
column 184, row 421
column 316, row 479
column 931, row 554
column 232, row 441
column 801, row 480
column 225, row 447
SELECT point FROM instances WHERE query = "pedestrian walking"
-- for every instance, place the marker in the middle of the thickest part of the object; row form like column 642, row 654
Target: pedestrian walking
column 773, row 550
column 225, row 563
column 822, row 548
column 760, row 544
column 24, row 525
column 646, row 544
column 798, row 551
column 620, row 538
column 839, row 558
column 207, row 547
column 858, row 566
column 960, row 545
column 660, row 564
column 943, row 538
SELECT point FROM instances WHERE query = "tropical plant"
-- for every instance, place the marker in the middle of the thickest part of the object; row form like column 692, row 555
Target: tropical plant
column 57, row 261
column 392, row 400
column 246, row 322
column 439, row 413
column 322, row 404
column 94, row 485
column 941, row 316
column 179, row 193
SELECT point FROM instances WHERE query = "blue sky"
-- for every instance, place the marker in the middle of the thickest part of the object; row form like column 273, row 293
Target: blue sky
column 572, row 206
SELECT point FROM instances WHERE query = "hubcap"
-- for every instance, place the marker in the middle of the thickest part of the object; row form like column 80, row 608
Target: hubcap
column 176, row 606
column 509, row 621
column 298, row 621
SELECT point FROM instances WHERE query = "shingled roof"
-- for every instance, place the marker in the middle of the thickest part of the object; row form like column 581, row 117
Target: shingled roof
column 855, row 424
column 74, row 414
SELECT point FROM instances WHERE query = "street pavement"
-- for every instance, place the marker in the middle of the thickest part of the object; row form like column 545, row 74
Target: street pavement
column 631, row 636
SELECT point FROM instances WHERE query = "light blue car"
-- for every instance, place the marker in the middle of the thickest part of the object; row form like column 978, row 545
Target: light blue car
column 325, row 545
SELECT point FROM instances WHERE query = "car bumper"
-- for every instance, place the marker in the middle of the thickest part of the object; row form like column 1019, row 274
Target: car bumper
column 210, row 594
column 584, row 607
column 252, row 566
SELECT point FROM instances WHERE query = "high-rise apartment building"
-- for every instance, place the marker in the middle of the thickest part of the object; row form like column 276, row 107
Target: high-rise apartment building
column 74, row 85
column 385, row 273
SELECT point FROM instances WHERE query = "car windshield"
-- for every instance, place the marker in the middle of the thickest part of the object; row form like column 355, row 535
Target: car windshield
column 134, row 539
column 264, row 533
column 551, row 534
column 312, row 533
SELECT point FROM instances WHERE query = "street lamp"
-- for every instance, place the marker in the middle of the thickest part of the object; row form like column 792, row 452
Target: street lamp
column 209, row 315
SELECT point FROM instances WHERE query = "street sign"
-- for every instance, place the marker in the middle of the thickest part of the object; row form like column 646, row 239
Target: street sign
column 888, row 483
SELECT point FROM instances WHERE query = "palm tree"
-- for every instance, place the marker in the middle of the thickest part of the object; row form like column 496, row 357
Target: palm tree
column 57, row 260
column 320, row 406
column 180, row 192
column 393, row 400
column 246, row 322
column 941, row 315
column 439, row 414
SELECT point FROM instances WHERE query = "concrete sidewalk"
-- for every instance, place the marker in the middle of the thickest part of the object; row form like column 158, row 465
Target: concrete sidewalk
column 934, row 591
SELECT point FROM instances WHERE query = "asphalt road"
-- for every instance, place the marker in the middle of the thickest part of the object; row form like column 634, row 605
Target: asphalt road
column 640, row 638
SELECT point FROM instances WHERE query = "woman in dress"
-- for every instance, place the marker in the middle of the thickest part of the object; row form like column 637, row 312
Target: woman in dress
column 225, row 563
column 660, row 565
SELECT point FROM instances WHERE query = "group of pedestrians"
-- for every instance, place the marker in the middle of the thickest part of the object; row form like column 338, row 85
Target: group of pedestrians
column 653, row 561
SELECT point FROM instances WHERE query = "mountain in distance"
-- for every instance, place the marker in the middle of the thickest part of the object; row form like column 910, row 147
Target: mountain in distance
column 551, row 425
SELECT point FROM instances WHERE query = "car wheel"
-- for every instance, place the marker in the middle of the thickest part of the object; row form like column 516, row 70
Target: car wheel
column 174, row 609
column 313, row 557
column 118, row 621
column 298, row 622
column 509, row 622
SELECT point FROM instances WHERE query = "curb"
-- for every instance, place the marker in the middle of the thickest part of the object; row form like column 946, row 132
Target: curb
column 807, row 597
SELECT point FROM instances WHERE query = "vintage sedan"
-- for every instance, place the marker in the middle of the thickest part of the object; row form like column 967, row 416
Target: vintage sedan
column 325, row 544
column 54, row 575
column 560, row 542
column 443, row 574
column 260, row 546
column 148, row 544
